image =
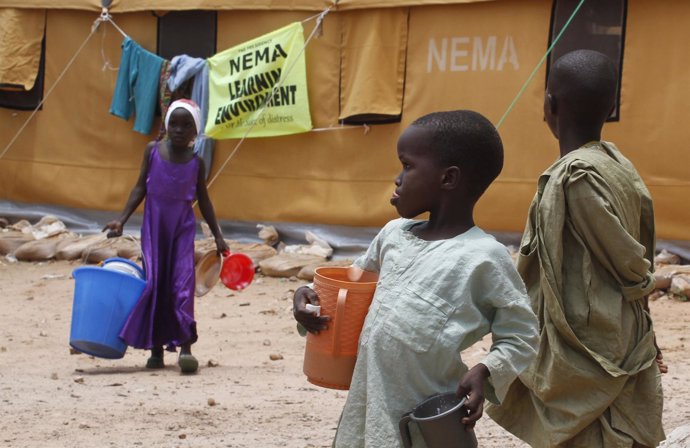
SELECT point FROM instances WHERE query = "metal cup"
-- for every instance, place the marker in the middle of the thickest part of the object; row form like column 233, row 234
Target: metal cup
column 439, row 421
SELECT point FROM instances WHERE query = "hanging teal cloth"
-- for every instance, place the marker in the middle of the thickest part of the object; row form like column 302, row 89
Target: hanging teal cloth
column 136, row 89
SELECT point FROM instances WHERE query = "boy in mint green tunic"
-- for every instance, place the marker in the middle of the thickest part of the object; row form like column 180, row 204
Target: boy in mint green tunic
column 443, row 285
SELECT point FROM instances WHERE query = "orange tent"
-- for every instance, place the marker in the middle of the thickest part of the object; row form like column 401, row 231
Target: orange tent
column 375, row 62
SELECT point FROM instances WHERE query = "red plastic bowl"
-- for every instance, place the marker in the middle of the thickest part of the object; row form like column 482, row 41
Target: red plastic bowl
column 237, row 272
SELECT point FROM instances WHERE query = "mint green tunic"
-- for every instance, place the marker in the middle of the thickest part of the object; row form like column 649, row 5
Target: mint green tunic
column 586, row 258
column 433, row 300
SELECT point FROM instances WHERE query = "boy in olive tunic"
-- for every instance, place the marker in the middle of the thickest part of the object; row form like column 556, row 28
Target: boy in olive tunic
column 587, row 258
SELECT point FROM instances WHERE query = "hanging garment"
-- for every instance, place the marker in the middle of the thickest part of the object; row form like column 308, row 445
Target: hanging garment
column 164, row 95
column 136, row 89
column 183, row 68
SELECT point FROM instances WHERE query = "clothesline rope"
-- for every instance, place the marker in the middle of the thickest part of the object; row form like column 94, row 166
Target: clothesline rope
column 106, row 17
column 106, row 62
column 315, row 16
column 534, row 72
column 319, row 19
column 364, row 127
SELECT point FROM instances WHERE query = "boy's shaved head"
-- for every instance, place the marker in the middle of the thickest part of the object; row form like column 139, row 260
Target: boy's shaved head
column 466, row 139
column 584, row 84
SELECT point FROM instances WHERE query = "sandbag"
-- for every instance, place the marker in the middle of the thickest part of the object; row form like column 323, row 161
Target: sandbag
column 255, row 251
column 22, row 225
column 680, row 286
column 40, row 250
column 10, row 241
column 65, row 241
column 664, row 274
column 74, row 249
column 307, row 272
column 99, row 251
column 288, row 265
column 47, row 227
column 130, row 250
column 317, row 246
column 666, row 257
column 268, row 234
column 128, row 247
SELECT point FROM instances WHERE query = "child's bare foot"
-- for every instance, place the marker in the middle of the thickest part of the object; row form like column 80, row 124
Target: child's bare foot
column 155, row 361
column 187, row 362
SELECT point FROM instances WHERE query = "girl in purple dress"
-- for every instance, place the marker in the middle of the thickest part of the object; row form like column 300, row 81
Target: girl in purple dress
column 171, row 177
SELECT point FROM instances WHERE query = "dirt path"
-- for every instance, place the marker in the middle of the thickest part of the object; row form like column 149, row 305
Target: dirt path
column 49, row 398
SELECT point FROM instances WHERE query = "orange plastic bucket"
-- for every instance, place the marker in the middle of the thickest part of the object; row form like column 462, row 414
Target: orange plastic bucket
column 330, row 356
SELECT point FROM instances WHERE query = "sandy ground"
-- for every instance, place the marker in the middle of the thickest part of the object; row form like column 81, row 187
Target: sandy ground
column 50, row 398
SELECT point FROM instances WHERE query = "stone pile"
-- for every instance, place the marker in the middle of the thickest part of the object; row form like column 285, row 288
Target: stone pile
column 672, row 278
column 49, row 239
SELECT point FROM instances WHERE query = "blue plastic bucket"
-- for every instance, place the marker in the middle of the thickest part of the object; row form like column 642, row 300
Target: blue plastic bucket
column 103, row 300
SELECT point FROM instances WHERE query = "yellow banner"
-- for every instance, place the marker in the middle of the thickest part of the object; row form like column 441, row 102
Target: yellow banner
column 260, row 84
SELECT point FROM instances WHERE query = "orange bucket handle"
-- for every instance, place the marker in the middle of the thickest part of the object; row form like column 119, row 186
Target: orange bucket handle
column 338, row 319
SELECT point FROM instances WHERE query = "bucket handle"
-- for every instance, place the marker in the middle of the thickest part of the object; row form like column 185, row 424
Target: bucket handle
column 404, row 426
column 338, row 319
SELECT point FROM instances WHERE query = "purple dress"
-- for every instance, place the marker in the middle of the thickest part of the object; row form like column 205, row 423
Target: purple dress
column 164, row 314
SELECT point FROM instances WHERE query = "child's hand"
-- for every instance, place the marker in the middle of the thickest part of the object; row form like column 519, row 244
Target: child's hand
column 472, row 386
column 308, row 319
column 663, row 367
column 115, row 228
column 221, row 246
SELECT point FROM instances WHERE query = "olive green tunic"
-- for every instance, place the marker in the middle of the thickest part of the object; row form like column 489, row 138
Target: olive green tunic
column 586, row 258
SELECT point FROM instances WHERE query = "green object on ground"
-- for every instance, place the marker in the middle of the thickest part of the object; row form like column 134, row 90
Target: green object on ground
column 187, row 363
